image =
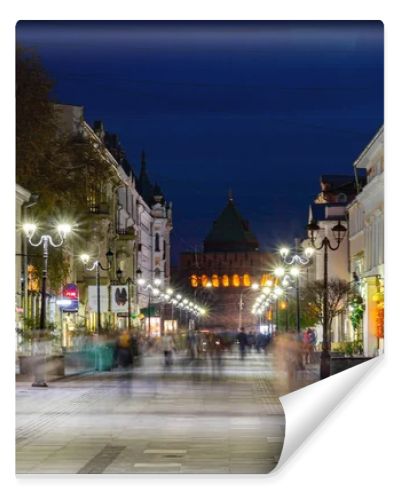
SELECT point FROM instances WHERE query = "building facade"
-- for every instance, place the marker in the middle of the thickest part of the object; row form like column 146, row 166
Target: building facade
column 222, row 275
column 366, row 247
column 128, row 222
column 328, row 208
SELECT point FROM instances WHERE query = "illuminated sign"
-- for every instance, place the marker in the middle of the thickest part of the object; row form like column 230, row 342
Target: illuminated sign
column 70, row 298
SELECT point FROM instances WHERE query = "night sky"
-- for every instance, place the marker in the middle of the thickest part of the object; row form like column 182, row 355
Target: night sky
column 262, row 108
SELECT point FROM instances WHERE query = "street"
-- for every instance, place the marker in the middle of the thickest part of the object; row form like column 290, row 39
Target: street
column 181, row 419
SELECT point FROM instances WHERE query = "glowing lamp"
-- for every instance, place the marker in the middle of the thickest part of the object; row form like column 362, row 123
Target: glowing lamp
column 85, row 258
column 64, row 230
column 284, row 252
column 279, row 272
column 29, row 229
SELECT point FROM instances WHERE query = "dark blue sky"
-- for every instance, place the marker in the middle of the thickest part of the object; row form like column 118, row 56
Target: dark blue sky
column 263, row 108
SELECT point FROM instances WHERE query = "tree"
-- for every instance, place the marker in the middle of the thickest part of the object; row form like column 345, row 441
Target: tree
column 313, row 299
column 64, row 170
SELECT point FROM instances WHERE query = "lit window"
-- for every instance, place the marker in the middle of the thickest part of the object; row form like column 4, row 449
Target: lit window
column 204, row 280
column 225, row 280
column 246, row 280
column 235, row 280
column 193, row 280
column 264, row 279
column 215, row 280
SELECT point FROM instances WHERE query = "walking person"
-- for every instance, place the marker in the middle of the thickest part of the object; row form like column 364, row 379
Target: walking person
column 167, row 345
column 243, row 343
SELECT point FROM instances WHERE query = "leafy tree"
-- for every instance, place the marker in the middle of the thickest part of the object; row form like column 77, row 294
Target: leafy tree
column 313, row 297
column 61, row 168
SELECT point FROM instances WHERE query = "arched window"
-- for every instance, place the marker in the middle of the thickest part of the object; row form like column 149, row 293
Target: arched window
column 235, row 280
column 225, row 280
column 193, row 281
column 204, row 280
column 157, row 243
column 246, row 280
column 264, row 279
column 215, row 280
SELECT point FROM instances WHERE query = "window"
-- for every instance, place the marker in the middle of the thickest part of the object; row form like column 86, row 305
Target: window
column 157, row 243
column 225, row 280
column 194, row 281
column 215, row 280
column 204, row 280
column 236, row 280
column 246, row 280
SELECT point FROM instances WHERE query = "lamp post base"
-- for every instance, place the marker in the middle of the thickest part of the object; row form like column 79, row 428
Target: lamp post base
column 325, row 364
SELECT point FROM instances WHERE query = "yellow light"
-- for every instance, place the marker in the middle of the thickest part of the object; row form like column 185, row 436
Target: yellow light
column 170, row 291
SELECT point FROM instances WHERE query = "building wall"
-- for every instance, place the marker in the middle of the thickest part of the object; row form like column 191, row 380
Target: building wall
column 229, row 276
column 21, row 196
column 366, row 222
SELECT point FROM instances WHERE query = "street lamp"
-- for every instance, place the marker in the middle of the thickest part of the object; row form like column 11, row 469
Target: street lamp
column 152, row 289
column 293, row 263
column 45, row 240
column 97, row 265
column 339, row 231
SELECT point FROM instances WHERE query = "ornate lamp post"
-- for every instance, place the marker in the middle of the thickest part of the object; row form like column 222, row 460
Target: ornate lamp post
column 339, row 231
column 292, row 264
column 45, row 240
column 152, row 288
column 128, row 282
column 97, row 265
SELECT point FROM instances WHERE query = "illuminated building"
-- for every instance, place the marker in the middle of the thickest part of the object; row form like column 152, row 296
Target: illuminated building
column 222, row 275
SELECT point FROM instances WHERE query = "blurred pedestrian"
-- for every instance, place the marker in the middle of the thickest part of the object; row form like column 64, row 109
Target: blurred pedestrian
column 167, row 345
column 243, row 343
column 124, row 349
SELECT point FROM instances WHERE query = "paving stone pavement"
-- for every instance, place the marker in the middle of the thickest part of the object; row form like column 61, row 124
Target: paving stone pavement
column 186, row 419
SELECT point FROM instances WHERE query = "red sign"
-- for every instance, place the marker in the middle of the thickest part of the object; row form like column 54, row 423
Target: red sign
column 70, row 291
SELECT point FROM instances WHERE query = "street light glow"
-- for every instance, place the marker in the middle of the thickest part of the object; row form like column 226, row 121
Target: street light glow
column 157, row 281
column 141, row 281
column 279, row 272
column 309, row 252
column 85, row 258
column 255, row 286
column 284, row 251
column 64, row 229
column 29, row 229
column 295, row 271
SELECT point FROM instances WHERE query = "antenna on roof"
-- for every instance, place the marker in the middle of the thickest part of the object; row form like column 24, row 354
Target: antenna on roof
column 230, row 195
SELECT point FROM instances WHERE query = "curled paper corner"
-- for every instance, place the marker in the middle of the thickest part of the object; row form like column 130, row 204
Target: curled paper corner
column 308, row 407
